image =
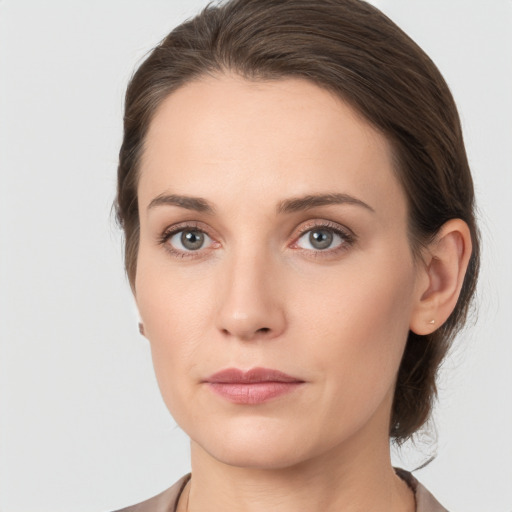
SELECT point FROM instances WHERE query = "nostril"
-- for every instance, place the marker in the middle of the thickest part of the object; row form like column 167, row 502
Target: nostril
column 247, row 334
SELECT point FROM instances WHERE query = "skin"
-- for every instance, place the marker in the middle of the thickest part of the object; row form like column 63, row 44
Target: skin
column 258, row 293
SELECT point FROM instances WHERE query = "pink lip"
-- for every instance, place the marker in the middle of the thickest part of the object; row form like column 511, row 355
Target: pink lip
column 252, row 387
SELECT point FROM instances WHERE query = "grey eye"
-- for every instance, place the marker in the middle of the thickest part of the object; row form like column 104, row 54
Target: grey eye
column 320, row 239
column 190, row 240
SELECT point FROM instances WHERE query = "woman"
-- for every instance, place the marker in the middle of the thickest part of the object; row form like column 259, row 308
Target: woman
column 301, row 244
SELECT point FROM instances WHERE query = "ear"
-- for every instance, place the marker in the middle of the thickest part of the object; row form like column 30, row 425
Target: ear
column 140, row 323
column 439, row 282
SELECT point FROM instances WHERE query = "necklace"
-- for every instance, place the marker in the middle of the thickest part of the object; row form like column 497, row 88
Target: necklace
column 187, row 490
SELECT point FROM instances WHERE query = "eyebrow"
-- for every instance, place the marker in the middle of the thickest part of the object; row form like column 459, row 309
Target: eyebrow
column 313, row 201
column 189, row 203
column 286, row 206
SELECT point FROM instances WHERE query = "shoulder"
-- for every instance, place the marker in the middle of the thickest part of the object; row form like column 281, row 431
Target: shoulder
column 425, row 501
column 166, row 501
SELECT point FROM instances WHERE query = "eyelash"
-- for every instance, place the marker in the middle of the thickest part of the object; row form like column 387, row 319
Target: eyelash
column 348, row 239
column 170, row 232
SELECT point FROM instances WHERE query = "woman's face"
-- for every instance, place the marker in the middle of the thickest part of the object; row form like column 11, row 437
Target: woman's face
column 273, row 235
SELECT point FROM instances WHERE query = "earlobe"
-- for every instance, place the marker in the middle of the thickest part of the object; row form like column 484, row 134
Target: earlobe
column 446, row 262
column 140, row 323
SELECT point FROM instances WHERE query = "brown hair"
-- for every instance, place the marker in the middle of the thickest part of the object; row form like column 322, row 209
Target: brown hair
column 351, row 48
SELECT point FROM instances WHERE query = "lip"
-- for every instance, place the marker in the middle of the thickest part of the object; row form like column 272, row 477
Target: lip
column 255, row 386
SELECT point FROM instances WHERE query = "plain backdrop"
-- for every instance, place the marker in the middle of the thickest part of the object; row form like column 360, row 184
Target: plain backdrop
column 82, row 424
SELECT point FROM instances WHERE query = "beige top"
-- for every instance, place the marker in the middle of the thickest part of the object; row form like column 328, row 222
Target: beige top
column 167, row 501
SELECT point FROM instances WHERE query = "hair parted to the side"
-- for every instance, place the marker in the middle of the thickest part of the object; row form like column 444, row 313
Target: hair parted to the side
column 352, row 49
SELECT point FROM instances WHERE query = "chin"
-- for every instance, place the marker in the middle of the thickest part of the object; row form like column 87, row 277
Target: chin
column 263, row 444
column 264, row 456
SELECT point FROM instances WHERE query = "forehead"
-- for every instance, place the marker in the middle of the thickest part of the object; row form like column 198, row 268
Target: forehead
column 223, row 136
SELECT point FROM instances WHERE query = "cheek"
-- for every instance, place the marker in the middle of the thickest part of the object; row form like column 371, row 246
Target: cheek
column 359, row 321
column 175, row 314
column 170, row 298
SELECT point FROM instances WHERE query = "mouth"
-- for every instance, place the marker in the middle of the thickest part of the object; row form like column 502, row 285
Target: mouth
column 255, row 386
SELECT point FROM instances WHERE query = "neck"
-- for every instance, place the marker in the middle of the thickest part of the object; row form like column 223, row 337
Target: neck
column 348, row 479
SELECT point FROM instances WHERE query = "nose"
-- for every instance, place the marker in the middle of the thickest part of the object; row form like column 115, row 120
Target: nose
column 251, row 299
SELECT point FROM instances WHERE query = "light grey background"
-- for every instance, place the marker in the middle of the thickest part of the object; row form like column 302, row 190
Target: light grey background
column 82, row 425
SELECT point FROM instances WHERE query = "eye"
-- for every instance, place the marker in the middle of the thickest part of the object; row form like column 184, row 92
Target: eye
column 322, row 239
column 188, row 240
